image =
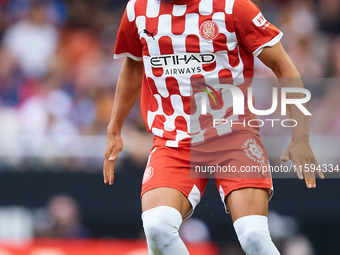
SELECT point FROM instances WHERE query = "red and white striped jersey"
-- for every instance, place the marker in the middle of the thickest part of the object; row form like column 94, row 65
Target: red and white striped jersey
column 186, row 41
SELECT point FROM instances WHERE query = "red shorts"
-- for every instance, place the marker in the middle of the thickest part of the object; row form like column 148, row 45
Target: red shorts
column 236, row 161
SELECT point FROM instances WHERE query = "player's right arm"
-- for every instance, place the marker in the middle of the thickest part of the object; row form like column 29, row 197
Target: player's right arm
column 127, row 92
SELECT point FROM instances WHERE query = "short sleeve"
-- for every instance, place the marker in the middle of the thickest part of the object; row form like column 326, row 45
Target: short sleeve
column 128, row 43
column 253, row 29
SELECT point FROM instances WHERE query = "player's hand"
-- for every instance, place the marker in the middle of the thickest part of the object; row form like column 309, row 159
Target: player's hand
column 113, row 147
column 300, row 152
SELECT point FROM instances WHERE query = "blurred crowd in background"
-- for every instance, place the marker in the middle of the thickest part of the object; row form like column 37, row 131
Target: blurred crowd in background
column 58, row 76
column 57, row 83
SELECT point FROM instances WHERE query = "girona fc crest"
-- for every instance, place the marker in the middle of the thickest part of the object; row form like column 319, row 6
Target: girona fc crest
column 149, row 171
column 253, row 151
column 209, row 30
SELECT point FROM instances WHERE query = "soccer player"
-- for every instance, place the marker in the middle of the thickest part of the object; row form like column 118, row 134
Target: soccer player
column 171, row 45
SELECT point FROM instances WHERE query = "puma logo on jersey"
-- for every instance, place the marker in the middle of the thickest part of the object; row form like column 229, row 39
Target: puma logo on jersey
column 150, row 34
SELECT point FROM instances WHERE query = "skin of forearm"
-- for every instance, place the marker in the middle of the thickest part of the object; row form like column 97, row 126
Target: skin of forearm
column 127, row 92
column 290, row 77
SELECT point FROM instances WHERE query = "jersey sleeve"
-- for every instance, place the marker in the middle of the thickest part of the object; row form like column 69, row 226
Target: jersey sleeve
column 253, row 29
column 128, row 43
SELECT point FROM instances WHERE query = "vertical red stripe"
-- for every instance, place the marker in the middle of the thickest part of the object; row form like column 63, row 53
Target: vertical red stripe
column 145, row 47
column 152, row 104
column 181, row 124
column 178, row 25
column 234, row 59
column 140, row 8
column 158, row 72
column 165, row 45
column 218, row 6
column 151, row 24
column 209, row 67
column 220, row 43
column 159, row 122
column 229, row 23
column 192, row 44
column 225, row 76
column 172, row 86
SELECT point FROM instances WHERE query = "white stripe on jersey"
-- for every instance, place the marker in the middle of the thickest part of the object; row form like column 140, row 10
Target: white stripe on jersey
column 152, row 9
column 229, row 5
column 206, row 7
column 130, row 9
column 179, row 10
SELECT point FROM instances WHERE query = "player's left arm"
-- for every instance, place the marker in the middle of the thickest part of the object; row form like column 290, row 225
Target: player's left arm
column 299, row 150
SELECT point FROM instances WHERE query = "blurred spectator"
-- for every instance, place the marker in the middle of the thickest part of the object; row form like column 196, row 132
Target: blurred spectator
column 55, row 10
column 10, row 80
column 298, row 245
column 63, row 220
column 326, row 110
column 16, row 224
column 194, row 231
column 298, row 21
column 334, row 58
column 33, row 41
column 330, row 16
column 284, row 231
column 3, row 4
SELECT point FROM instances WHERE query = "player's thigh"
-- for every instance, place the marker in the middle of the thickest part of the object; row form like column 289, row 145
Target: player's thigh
column 247, row 201
column 166, row 197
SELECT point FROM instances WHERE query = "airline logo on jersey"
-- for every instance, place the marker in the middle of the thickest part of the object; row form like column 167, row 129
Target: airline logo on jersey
column 260, row 21
column 182, row 64
column 209, row 30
